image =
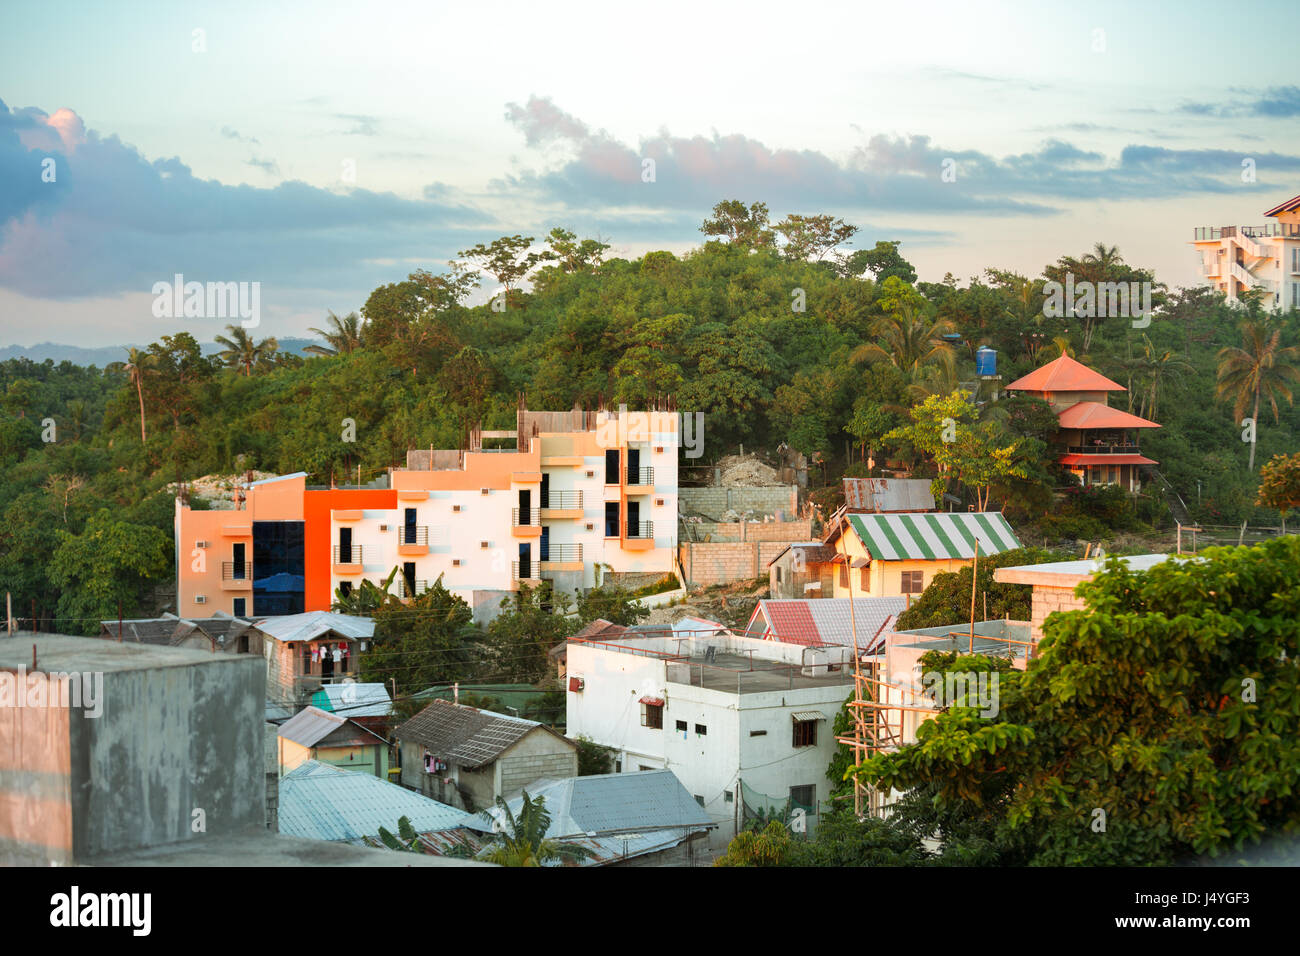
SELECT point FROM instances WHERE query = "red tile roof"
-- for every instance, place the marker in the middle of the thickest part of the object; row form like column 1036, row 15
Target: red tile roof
column 792, row 623
column 1097, row 415
column 1288, row 206
column 1065, row 375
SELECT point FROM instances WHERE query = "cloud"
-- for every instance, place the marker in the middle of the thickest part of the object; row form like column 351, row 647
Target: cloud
column 1277, row 102
column 234, row 134
column 362, row 125
column 268, row 166
column 115, row 222
column 897, row 174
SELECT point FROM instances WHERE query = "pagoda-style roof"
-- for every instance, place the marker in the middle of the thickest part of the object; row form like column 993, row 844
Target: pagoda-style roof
column 1097, row 415
column 1289, row 206
column 1065, row 375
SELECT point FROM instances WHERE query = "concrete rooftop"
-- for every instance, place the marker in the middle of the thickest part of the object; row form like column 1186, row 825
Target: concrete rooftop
column 732, row 673
column 64, row 653
column 1070, row 573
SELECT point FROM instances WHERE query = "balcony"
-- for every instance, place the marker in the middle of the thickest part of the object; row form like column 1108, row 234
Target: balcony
column 1121, row 449
column 236, row 576
column 412, row 540
column 533, row 580
column 640, row 536
column 351, row 560
column 526, row 522
column 1285, row 230
column 640, row 480
column 561, row 557
column 562, row 504
column 405, row 591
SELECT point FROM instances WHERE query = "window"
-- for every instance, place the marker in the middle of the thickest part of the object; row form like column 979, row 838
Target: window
column 844, row 575
column 758, row 733
column 778, row 574
column 699, row 799
column 805, row 733
column 701, row 730
column 618, row 766
column 805, row 796
column 681, row 725
column 913, row 582
column 643, row 767
column 611, row 519
column 240, row 607
column 652, row 716
column 865, row 585
column 611, row 466
column 1295, row 258
column 727, row 796
column 345, row 587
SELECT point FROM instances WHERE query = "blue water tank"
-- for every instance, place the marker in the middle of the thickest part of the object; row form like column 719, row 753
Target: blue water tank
column 986, row 361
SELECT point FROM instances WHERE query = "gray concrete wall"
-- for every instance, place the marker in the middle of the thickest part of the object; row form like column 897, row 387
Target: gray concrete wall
column 714, row 501
column 538, row 755
column 171, row 740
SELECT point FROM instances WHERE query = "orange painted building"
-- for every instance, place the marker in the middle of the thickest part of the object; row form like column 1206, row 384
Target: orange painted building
column 1099, row 444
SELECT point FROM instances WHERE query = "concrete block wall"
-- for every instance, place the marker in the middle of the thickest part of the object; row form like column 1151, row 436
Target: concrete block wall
column 1047, row 600
column 519, row 772
column 715, row 501
column 784, row 531
column 724, row 562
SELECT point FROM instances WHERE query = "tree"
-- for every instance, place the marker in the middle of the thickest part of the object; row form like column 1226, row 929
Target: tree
column 810, row 238
column 844, row 840
column 343, row 336
column 906, row 337
column 571, row 254
column 1279, row 484
column 611, row 602
column 506, row 259
column 1101, row 266
column 409, row 842
column 1261, row 366
column 593, row 758
column 111, row 564
column 771, row 846
column 521, row 840
column 883, row 262
column 531, row 622
column 138, row 364
column 743, row 228
column 241, row 351
column 946, row 600
column 1156, row 725
column 424, row 642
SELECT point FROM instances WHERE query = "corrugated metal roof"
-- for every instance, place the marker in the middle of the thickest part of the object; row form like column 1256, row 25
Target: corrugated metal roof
column 466, row 735
column 321, row 802
column 313, row 727
column 807, row 715
column 315, row 624
column 933, row 536
column 888, row 494
column 826, row 621
column 354, row 700
column 611, row 803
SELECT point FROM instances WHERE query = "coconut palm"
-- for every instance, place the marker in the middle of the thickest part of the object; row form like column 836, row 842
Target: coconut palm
column 241, row 351
column 1159, row 365
column 1259, row 367
column 137, row 365
column 343, row 335
column 910, row 343
column 522, row 840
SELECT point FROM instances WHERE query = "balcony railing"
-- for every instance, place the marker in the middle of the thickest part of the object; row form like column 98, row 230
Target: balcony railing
column 566, row 500
column 530, row 572
column 418, row 534
column 406, row 590
column 354, row 554
column 525, row 517
column 236, row 570
column 640, row 529
column 561, row 552
column 1288, row 230
column 1127, row 449
column 640, row 476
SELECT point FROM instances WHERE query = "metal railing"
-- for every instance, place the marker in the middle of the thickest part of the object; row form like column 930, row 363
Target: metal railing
column 640, row 529
column 1102, row 450
column 525, row 517
column 562, row 499
column 531, row 568
column 236, row 570
column 405, row 590
column 353, row 554
column 640, row 476
column 1266, row 231
column 419, row 534
column 561, row 552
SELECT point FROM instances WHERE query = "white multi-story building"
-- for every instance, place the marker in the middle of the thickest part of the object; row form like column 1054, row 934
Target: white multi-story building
column 1234, row 259
column 735, row 718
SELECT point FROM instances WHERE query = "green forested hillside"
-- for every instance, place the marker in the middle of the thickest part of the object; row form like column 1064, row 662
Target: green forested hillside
column 774, row 340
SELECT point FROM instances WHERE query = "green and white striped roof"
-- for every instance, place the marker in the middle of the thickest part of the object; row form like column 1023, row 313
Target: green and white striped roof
column 933, row 535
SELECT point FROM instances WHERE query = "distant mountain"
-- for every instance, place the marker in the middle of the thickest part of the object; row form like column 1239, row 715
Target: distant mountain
column 100, row 357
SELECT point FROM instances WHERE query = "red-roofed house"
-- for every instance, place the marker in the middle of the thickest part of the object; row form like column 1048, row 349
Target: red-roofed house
column 1099, row 444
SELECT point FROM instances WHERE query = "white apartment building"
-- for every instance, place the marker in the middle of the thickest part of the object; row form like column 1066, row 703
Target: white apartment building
column 1233, row 259
column 730, row 716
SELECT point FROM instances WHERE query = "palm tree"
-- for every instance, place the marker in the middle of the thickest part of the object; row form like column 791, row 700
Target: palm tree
column 522, row 840
column 1258, row 367
column 240, row 349
column 344, row 335
column 1159, row 365
column 909, row 343
column 137, row 365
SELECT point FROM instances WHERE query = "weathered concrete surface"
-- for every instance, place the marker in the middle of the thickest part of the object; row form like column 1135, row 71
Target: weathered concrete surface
column 256, row 847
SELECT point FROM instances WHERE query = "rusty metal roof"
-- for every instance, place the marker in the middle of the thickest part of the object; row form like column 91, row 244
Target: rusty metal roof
column 876, row 495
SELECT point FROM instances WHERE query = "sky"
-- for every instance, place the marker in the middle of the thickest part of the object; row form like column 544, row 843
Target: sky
column 323, row 149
